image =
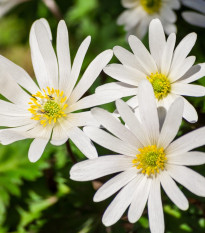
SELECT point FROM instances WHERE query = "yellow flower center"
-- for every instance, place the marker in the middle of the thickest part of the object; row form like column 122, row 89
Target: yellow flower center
column 151, row 6
column 160, row 84
column 48, row 106
column 150, row 160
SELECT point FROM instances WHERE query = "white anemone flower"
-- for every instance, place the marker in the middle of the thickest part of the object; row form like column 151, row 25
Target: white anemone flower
column 169, row 70
column 195, row 18
column 48, row 110
column 7, row 5
column 147, row 158
column 139, row 13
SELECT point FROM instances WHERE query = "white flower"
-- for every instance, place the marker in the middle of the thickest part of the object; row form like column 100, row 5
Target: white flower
column 147, row 157
column 48, row 110
column 7, row 5
column 139, row 13
column 197, row 19
column 169, row 70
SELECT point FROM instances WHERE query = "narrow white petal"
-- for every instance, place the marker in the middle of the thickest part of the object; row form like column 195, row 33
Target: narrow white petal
column 47, row 52
column 92, row 169
column 84, row 144
column 124, row 74
column 142, row 55
column 8, row 136
column 91, row 73
column 36, row 149
column 118, row 206
column 114, row 126
column 15, row 121
column 155, row 211
column 168, row 14
column 194, row 18
column 139, row 201
column 168, row 54
column 110, row 142
column 129, row 3
column 190, row 113
column 191, row 158
column 173, row 192
column 156, row 40
column 59, row 133
column 188, row 89
column 132, row 122
column 148, row 110
column 175, row 4
column 63, row 52
column 190, row 179
column 172, row 123
column 197, row 4
column 18, row 74
column 9, row 109
column 115, row 184
column 187, row 142
column 77, row 63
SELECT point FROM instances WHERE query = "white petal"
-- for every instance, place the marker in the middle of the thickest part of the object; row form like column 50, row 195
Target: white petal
column 48, row 54
column 18, row 74
column 170, row 28
column 155, row 211
column 110, row 142
column 168, row 54
column 63, row 52
column 92, row 169
column 129, row 3
column 174, row 4
column 194, row 73
column 187, row 142
column 156, row 40
column 183, row 49
column 190, row 179
column 139, row 201
column 11, row 90
column 59, row 134
column 197, row 4
column 114, row 126
column 115, row 184
column 9, row 109
column 124, row 74
column 173, row 192
column 190, row 113
column 178, row 71
column 168, row 14
column 91, row 73
column 194, row 18
column 142, row 55
column 8, row 136
column 77, row 63
column 36, row 149
column 83, row 143
column 132, row 122
column 191, row 158
column 15, row 121
column 148, row 110
column 188, row 89
column 118, row 206
column 172, row 123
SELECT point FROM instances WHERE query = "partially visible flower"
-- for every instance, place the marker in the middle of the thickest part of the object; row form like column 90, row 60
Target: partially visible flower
column 146, row 158
column 50, row 110
column 139, row 13
column 7, row 5
column 169, row 70
column 197, row 19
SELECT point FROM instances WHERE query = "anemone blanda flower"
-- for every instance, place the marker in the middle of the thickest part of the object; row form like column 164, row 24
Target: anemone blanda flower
column 169, row 70
column 48, row 110
column 195, row 18
column 147, row 157
column 139, row 13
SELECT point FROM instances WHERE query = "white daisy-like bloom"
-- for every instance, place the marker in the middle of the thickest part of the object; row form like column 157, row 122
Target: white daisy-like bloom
column 168, row 69
column 7, row 5
column 147, row 158
column 139, row 13
column 195, row 18
column 51, row 109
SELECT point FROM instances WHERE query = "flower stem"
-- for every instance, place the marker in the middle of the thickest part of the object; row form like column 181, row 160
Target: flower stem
column 70, row 153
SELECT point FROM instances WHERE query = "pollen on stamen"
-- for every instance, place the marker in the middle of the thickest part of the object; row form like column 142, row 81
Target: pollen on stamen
column 150, row 160
column 48, row 106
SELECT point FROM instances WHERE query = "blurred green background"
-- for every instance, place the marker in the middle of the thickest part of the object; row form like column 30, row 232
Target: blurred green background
column 40, row 197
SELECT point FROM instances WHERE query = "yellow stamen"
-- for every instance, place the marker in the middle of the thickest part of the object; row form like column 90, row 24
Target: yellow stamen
column 160, row 84
column 150, row 160
column 151, row 6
